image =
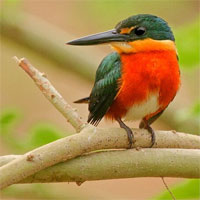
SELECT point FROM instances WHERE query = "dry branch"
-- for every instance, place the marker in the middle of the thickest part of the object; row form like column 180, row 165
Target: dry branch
column 115, row 164
column 89, row 139
column 51, row 93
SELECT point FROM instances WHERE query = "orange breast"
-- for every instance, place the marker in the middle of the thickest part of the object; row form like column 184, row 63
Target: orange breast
column 144, row 73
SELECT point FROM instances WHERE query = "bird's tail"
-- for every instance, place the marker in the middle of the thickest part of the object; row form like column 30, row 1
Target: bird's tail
column 83, row 100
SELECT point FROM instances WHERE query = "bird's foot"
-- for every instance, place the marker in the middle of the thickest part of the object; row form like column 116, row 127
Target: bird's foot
column 144, row 124
column 153, row 136
column 128, row 131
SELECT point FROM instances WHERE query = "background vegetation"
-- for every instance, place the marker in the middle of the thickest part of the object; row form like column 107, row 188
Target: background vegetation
column 38, row 30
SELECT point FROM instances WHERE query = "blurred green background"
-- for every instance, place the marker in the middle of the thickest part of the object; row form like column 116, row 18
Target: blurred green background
column 38, row 31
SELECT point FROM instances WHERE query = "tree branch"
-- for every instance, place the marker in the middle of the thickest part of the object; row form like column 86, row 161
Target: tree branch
column 51, row 93
column 90, row 138
column 120, row 164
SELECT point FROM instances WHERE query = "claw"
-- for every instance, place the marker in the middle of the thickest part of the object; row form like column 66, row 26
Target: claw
column 128, row 131
column 144, row 124
column 153, row 136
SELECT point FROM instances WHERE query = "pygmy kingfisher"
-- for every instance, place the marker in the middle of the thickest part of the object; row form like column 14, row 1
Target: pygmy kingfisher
column 139, row 79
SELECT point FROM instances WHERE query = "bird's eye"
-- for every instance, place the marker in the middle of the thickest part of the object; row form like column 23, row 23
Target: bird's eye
column 140, row 30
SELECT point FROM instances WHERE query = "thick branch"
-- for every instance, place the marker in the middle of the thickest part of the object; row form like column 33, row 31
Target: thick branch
column 51, row 93
column 120, row 164
column 89, row 139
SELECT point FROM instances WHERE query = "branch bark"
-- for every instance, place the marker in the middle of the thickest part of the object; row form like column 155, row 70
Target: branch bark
column 90, row 138
column 51, row 93
column 117, row 164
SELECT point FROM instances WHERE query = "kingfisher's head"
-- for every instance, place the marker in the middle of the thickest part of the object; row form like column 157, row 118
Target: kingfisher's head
column 142, row 32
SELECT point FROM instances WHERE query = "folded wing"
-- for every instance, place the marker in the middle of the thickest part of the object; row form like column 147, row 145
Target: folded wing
column 105, row 87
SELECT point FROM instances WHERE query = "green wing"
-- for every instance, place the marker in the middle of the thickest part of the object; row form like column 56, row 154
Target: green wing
column 105, row 87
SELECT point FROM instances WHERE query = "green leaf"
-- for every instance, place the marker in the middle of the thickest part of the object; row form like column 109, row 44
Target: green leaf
column 42, row 134
column 195, row 111
column 188, row 189
column 39, row 135
column 190, row 117
column 187, row 42
column 8, row 118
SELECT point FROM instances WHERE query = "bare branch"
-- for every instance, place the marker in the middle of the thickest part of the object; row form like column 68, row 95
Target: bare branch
column 89, row 139
column 116, row 164
column 51, row 93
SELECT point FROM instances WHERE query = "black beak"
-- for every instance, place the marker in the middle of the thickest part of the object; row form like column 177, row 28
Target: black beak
column 100, row 38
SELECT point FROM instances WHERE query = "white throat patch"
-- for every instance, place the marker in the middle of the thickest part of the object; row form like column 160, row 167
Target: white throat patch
column 122, row 46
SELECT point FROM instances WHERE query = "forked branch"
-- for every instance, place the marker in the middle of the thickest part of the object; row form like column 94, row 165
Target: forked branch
column 91, row 139
column 51, row 93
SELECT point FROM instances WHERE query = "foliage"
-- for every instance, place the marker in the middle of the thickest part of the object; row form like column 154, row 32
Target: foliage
column 193, row 114
column 195, row 111
column 8, row 120
column 188, row 189
column 38, row 135
column 187, row 41
column 43, row 133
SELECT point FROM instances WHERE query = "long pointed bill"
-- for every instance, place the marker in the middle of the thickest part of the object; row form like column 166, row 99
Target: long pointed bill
column 100, row 38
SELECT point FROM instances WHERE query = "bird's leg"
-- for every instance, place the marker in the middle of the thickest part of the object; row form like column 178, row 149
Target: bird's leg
column 144, row 124
column 128, row 131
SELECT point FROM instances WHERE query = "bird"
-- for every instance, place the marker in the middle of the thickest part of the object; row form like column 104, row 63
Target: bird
column 139, row 79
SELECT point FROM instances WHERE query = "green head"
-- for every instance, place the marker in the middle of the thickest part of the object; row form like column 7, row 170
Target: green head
column 138, row 27
column 145, row 26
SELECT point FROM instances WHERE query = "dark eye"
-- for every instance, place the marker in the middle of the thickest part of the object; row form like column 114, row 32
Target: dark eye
column 140, row 30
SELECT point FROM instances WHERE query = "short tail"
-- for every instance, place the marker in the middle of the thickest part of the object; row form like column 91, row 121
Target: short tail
column 83, row 100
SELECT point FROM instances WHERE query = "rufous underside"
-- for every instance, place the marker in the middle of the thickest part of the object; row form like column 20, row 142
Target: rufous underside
column 150, row 78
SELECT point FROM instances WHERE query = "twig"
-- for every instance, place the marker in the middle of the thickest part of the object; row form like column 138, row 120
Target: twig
column 51, row 93
column 170, row 192
column 120, row 164
column 88, row 140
